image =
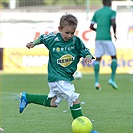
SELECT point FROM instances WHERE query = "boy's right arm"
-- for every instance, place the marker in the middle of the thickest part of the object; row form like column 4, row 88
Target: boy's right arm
column 32, row 44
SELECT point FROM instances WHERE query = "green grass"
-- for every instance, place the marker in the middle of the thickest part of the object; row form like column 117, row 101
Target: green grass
column 110, row 109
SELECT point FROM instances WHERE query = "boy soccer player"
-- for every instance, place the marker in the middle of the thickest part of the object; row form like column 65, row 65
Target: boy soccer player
column 65, row 51
column 104, row 18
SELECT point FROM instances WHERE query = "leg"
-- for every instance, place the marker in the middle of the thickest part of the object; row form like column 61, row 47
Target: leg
column 25, row 99
column 111, row 50
column 113, row 67
column 41, row 100
column 76, row 112
column 96, row 71
column 99, row 52
column 76, row 109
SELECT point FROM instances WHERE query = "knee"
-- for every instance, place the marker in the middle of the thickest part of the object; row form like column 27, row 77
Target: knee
column 114, row 57
column 76, row 101
column 52, row 103
column 98, row 59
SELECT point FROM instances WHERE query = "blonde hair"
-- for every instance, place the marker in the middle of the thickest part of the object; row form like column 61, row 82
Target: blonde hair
column 68, row 19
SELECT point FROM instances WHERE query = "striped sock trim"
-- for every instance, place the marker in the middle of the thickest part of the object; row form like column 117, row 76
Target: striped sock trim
column 77, row 109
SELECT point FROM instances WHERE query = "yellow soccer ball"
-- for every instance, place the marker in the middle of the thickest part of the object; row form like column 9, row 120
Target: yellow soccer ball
column 81, row 124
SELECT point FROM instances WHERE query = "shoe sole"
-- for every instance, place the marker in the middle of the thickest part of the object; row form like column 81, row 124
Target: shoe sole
column 20, row 95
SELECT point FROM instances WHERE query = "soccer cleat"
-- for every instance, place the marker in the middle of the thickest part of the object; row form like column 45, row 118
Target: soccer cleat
column 22, row 101
column 97, row 86
column 113, row 84
column 94, row 131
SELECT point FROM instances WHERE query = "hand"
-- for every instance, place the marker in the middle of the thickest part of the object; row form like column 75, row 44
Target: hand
column 115, row 37
column 30, row 45
column 88, row 59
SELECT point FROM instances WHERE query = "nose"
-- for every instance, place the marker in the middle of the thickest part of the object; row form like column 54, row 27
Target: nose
column 69, row 35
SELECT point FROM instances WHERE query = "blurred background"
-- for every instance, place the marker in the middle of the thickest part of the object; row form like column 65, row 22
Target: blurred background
column 22, row 21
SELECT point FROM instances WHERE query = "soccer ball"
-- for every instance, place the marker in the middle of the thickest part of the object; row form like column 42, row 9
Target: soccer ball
column 77, row 75
column 81, row 125
column 1, row 129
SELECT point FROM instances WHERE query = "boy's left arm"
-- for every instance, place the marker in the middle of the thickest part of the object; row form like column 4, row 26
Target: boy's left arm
column 88, row 59
column 84, row 51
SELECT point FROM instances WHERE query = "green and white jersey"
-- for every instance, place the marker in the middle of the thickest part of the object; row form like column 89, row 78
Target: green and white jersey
column 63, row 56
column 102, row 18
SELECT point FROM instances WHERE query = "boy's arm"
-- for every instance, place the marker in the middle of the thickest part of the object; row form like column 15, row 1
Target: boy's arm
column 32, row 44
column 88, row 59
column 85, row 53
column 82, row 49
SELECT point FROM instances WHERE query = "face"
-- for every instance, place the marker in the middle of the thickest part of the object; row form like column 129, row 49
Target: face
column 67, row 32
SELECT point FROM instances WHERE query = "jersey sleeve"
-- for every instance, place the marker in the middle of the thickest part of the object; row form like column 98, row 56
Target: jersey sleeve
column 113, row 15
column 44, row 39
column 93, row 20
column 83, row 51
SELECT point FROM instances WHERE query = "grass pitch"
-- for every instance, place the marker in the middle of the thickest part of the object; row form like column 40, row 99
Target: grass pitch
column 110, row 109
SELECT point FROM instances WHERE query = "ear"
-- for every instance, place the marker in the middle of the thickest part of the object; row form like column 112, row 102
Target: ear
column 59, row 28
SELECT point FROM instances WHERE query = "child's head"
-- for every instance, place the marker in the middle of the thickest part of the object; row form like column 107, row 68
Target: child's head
column 67, row 27
column 68, row 19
